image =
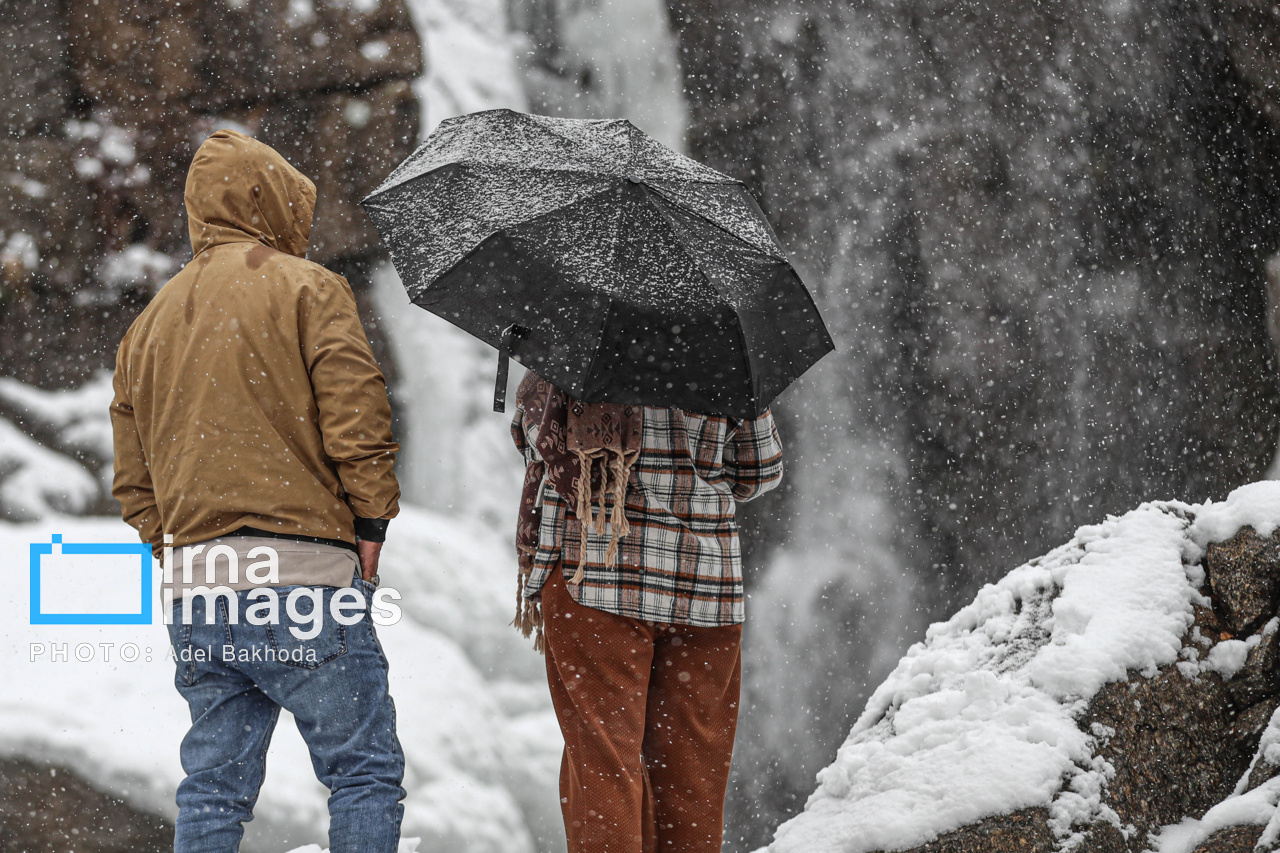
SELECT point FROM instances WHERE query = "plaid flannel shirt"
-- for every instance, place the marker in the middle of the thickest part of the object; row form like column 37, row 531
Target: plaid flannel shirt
column 681, row 563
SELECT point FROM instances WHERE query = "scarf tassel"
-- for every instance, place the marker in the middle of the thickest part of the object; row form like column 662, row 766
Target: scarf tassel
column 528, row 618
column 616, row 471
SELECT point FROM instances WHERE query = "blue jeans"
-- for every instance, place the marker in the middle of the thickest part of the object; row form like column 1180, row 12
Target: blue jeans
column 237, row 677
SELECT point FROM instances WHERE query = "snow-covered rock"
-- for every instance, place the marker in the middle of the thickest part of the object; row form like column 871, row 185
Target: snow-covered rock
column 36, row 481
column 41, row 468
column 77, row 420
column 1096, row 696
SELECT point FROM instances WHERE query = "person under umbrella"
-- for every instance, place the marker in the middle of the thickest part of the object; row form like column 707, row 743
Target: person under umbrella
column 631, row 578
column 653, row 300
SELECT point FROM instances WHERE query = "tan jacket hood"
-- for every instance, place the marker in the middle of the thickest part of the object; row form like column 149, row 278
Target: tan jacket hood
column 242, row 191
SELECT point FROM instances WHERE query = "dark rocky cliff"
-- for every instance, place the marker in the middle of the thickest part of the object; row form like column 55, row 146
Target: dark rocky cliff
column 48, row 809
column 103, row 105
column 108, row 101
column 1038, row 231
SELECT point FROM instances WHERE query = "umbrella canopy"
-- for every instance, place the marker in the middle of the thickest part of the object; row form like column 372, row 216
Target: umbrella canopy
column 609, row 264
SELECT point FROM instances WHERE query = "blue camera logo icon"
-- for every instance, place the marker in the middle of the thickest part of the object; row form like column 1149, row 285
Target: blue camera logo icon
column 91, row 583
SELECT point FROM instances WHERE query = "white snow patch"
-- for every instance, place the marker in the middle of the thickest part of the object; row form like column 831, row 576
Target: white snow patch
column 205, row 126
column 1257, row 808
column 376, row 50
column 80, row 417
column 89, row 168
column 1252, row 808
column 116, row 146
column 36, row 482
column 363, row 7
column 136, row 265
column 81, row 130
column 300, row 13
column 20, row 252
column 980, row 719
column 29, row 187
column 1256, row 505
column 1228, row 657
column 357, row 113
column 407, row 845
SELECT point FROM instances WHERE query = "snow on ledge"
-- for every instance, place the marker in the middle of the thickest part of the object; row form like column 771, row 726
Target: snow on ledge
column 1256, row 505
column 979, row 719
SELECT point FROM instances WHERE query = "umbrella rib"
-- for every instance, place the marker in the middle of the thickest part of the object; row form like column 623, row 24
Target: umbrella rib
column 777, row 254
column 632, row 130
column 746, row 358
column 675, row 232
column 595, row 353
column 386, row 186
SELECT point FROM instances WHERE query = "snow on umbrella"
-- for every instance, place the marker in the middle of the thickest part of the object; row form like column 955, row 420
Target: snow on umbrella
column 612, row 266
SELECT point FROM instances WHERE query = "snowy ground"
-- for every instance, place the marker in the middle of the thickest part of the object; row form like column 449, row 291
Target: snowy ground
column 482, row 744
column 979, row 719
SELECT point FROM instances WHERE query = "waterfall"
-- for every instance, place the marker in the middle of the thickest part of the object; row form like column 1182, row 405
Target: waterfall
column 457, row 455
column 604, row 59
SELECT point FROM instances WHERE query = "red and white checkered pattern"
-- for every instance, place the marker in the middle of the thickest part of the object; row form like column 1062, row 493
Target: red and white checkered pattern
column 681, row 562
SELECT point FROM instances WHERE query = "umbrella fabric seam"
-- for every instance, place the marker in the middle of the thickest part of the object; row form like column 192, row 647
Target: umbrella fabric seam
column 746, row 357
column 631, row 148
column 676, row 233
column 595, row 353
column 383, row 189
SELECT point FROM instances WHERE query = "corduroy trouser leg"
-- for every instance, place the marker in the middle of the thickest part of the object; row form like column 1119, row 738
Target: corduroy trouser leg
column 648, row 712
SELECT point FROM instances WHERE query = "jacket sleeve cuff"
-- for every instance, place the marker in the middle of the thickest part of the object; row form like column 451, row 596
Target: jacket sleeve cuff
column 372, row 529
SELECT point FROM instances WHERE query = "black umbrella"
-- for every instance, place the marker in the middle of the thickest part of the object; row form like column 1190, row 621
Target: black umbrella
column 612, row 266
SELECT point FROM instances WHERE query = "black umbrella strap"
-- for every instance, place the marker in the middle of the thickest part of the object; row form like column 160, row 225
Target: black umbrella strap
column 509, row 336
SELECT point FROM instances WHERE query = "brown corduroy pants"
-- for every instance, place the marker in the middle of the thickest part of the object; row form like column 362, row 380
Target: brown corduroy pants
column 648, row 712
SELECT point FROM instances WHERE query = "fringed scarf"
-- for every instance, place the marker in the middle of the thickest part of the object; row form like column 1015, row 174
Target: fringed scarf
column 587, row 452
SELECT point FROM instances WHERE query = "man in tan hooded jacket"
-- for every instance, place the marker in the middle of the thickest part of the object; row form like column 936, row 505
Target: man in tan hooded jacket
column 246, row 392
column 249, row 412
